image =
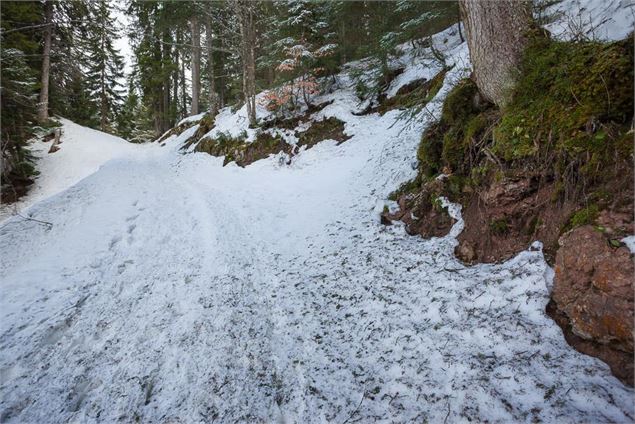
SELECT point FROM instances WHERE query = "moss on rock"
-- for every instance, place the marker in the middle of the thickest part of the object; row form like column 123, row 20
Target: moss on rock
column 574, row 100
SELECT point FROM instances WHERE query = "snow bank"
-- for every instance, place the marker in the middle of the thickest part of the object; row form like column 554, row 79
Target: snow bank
column 597, row 19
column 82, row 152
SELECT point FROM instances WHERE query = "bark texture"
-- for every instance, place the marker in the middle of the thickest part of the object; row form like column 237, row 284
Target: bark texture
column 496, row 36
column 244, row 10
column 196, row 64
column 213, row 102
column 42, row 107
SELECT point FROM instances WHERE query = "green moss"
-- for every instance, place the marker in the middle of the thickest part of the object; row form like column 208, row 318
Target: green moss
column 411, row 186
column 326, row 129
column 430, row 150
column 454, row 148
column 574, row 98
column 460, row 103
column 455, row 185
column 584, row 216
column 499, row 226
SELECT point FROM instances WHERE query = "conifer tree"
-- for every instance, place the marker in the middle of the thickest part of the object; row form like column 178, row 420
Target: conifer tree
column 104, row 63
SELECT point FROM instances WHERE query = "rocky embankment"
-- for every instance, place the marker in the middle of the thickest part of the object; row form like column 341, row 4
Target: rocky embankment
column 552, row 167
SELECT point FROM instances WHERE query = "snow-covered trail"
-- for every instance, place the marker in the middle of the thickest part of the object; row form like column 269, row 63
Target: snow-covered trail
column 171, row 289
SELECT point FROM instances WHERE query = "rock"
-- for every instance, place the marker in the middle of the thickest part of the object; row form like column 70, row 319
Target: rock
column 465, row 252
column 422, row 211
column 593, row 289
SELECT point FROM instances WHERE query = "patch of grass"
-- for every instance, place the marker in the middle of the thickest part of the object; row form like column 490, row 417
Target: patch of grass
column 326, row 129
column 224, row 144
column 237, row 149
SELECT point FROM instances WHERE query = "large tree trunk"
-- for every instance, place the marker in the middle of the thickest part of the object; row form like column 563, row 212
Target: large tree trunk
column 182, row 77
column 221, row 76
column 196, row 64
column 496, row 33
column 175, row 84
column 167, row 54
column 43, row 105
column 244, row 11
column 157, row 94
column 213, row 102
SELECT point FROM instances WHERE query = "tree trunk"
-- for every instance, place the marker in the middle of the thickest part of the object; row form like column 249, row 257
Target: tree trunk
column 175, row 84
column 196, row 64
column 167, row 54
column 157, row 94
column 181, row 72
column 213, row 103
column 43, row 105
column 221, row 77
column 458, row 15
column 496, row 33
column 244, row 11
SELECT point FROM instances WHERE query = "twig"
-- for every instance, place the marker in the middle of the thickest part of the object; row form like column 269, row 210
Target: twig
column 356, row 409
column 608, row 96
column 48, row 224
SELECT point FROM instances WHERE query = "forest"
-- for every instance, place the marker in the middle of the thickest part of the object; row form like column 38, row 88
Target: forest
column 60, row 58
column 317, row 211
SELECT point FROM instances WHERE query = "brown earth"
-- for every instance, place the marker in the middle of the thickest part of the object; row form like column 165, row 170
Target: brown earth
column 508, row 216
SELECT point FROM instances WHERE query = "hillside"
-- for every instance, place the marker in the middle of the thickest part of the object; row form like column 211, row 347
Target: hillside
column 236, row 274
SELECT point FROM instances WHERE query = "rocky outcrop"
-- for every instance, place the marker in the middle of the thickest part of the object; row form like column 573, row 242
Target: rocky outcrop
column 593, row 296
column 422, row 212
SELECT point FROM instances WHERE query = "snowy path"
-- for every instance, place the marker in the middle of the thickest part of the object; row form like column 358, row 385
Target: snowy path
column 171, row 289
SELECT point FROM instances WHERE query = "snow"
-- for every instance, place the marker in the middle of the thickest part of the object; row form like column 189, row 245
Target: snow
column 192, row 118
column 630, row 243
column 236, row 122
column 446, row 41
column 82, row 152
column 172, row 289
column 597, row 19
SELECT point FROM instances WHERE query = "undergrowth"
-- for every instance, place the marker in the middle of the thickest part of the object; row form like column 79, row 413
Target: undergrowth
column 569, row 121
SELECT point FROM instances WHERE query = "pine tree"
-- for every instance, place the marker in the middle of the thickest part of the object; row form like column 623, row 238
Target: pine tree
column 129, row 111
column 19, row 70
column 104, row 63
column 301, row 48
